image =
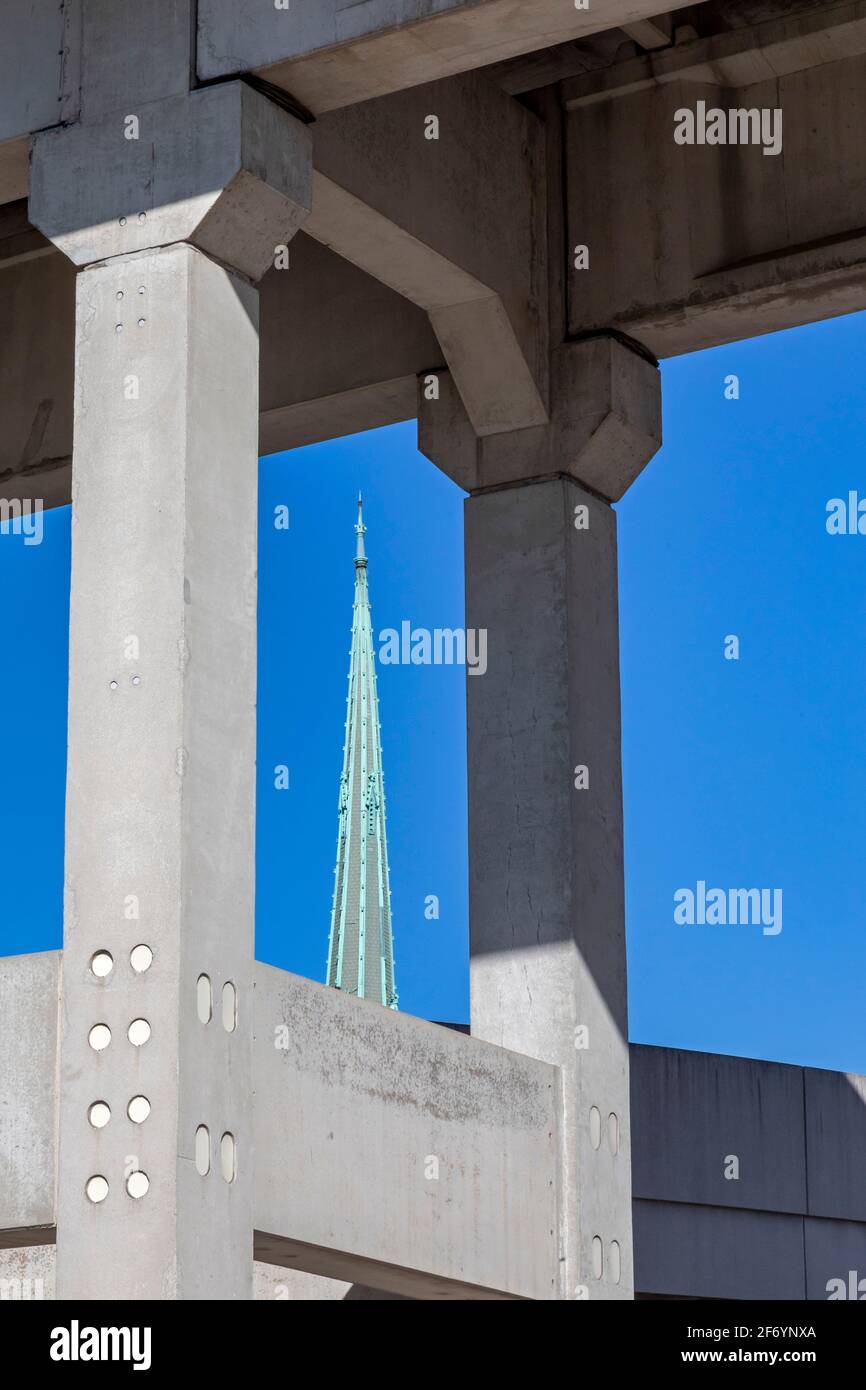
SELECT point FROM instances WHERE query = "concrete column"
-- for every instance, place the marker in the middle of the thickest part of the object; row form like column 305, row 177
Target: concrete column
column 161, row 778
column 547, row 932
column 155, row 1127
column 548, row 970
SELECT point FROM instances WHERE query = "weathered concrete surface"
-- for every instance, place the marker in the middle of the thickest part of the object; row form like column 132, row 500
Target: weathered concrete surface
column 132, row 54
column 688, row 1242
column 28, row 1091
column 691, row 246
column 472, row 252
column 161, row 774
column 692, row 1112
column 547, row 935
column 605, row 425
column 27, row 1274
column 835, row 1143
column 39, row 65
column 161, row 767
column 332, row 53
column 357, row 1107
column 224, row 169
column 324, row 382
column 799, row 1135
column 770, row 40
column 835, row 1250
column 714, row 1252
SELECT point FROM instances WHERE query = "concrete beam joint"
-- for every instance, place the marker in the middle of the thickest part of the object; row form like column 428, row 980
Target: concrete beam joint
column 605, row 425
column 224, row 169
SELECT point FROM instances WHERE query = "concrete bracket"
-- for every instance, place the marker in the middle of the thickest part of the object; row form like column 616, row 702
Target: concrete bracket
column 223, row 168
column 605, row 426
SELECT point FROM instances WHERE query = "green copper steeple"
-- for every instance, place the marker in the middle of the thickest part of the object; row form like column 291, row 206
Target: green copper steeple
column 361, row 951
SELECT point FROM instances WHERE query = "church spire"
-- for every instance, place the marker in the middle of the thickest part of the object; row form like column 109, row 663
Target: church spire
column 360, row 950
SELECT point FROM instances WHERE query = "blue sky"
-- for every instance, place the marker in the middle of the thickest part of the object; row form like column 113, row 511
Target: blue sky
column 745, row 773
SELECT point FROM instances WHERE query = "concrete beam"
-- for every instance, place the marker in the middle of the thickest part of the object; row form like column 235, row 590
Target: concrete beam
column 326, row 382
column 333, row 53
column 690, row 246
column 695, row 1112
column 472, row 252
column 461, row 1137
column 739, row 57
column 40, row 65
column 712, row 1252
column 651, row 33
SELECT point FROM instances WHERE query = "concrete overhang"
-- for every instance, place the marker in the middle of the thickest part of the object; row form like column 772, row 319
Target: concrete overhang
column 332, row 53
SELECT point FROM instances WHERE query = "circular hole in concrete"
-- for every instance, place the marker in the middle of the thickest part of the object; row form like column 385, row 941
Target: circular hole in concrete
column 97, row 1188
column 102, row 964
column 113, row 685
column 138, row 1032
column 141, row 958
column 136, row 680
column 99, row 1037
column 203, row 999
column 138, row 1109
column 202, row 1150
column 99, row 1114
column 137, row 1184
column 228, row 1157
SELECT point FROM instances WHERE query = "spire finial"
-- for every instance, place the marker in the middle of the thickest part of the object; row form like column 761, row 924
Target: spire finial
column 360, row 531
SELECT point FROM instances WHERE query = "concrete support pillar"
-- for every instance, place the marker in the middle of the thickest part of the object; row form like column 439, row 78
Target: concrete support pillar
column 161, row 781
column 547, row 933
column 155, row 1127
